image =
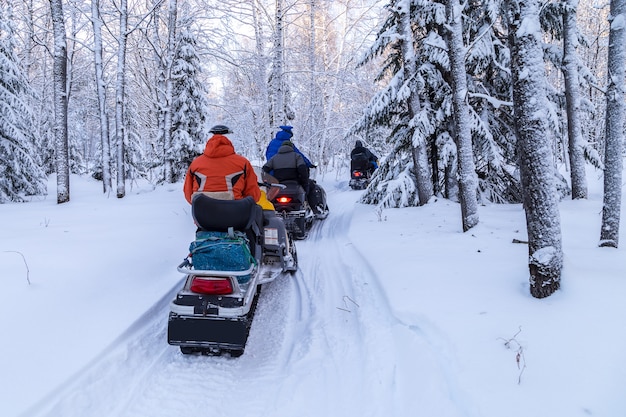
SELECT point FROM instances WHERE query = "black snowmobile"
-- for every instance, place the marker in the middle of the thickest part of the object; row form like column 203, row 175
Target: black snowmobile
column 291, row 203
column 238, row 248
column 360, row 173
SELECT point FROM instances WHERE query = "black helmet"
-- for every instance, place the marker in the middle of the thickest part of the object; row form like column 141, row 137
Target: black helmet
column 220, row 130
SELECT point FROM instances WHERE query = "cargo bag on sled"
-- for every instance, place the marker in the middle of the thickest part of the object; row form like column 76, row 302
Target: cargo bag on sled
column 222, row 251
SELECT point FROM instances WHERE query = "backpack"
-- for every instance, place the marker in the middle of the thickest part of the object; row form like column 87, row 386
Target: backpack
column 222, row 251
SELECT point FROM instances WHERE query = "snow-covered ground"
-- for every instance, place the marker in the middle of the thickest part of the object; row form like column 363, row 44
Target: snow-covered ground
column 393, row 313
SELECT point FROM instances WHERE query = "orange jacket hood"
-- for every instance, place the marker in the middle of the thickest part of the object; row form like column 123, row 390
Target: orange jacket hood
column 219, row 146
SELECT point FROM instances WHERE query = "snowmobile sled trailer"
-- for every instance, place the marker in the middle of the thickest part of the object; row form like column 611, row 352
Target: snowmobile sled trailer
column 213, row 312
column 237, row 248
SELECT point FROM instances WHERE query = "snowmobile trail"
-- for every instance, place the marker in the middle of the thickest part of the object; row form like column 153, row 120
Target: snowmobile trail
column 324, row 342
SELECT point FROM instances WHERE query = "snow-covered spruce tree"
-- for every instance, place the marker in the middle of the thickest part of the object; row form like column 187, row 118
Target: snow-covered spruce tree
column 488, row 96
column 535, row 148
column 20, row 170
column 404, row 177
column 189, row 107
column 491, row 108
column 137, row 164
column 59, row 80
column 558, row 20
column 614, row 145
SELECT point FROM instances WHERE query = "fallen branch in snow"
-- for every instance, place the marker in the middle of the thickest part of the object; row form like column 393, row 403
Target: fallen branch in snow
column 520, row 241
column 512, row 343
column 26, row 264
column 345, row 302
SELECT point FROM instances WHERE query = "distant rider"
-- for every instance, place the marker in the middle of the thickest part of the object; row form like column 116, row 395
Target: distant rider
column 282, row 135
column 361, row 155
column 313, row 191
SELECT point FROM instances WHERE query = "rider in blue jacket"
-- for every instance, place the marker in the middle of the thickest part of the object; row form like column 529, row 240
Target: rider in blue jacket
column 283, row 135
column 313, row 190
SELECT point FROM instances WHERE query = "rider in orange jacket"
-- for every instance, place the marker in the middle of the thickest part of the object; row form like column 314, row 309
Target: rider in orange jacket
column 220, row 172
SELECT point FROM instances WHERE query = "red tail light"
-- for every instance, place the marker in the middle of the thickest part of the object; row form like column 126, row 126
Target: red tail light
column 215, row 286
column 358, row 173
column 283, row 200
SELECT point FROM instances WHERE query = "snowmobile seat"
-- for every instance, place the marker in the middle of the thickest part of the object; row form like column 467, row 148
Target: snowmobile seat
column 360, row 163
column 211, row 214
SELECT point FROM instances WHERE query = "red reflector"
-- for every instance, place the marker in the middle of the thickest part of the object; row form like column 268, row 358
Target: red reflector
column 216, row 286
column 283, row 200
column 358, row 173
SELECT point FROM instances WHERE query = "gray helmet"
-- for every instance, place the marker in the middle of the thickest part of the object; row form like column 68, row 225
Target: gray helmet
column 220, row 130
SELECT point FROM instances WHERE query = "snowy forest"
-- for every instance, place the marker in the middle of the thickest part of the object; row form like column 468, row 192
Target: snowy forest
column 478, row 102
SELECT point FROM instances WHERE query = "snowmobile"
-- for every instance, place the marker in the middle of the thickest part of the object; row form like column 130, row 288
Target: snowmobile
column 359, row 179
column 360, row 174
column 238, row 247
column 291, row 203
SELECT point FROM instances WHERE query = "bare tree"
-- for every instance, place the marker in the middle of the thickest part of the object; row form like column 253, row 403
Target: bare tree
column 167, row 127
column 96, row 21
column 281, row 112
column 59, row 76
column 534, row 148
column 120, row 130
column 609, row 232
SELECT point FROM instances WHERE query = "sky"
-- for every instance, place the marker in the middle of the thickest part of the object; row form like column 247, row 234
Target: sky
column 393, row 312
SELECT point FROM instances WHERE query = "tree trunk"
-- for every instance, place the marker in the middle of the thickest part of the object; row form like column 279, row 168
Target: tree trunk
column 59, row 79
column 278, row 116
column 535, row 151
column 609, row 232
column 167, row 123
column 101, row 91
column 572, row 98
column 462, row 133
column 262, row 128
column 421, row 164
column 120, row 131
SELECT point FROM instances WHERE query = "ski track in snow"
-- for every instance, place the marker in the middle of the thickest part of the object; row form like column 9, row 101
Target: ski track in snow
column 329, row 325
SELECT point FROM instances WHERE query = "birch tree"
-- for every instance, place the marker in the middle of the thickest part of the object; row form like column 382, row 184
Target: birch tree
column 120, row 131
column 170, row 156
column 278, row 115
column 535, row 148
column 105, row 145
column 614, row 145
column 260, row 103
column 59, row 79
column 462, row 132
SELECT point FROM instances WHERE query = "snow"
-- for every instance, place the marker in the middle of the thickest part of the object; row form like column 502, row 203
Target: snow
column 393, row 313
column 618, row 22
